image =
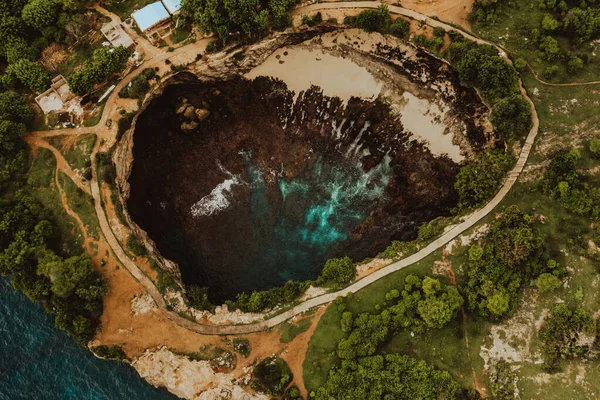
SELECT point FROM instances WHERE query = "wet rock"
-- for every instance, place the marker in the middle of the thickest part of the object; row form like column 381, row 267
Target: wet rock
column 188, row 126
column 189, row 112
column 202, row 114
column 181, row 107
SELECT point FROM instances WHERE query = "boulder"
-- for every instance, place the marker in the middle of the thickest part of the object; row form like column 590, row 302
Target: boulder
column 189, row 126
column 202, row 114
column 189, row 112
column 180, row 109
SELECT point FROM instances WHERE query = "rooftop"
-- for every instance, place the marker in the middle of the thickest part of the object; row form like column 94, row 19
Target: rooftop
column 173, row 6
column 150, row 15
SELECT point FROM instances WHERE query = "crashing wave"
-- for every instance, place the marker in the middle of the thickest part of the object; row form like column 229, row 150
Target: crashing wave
column 219, row 197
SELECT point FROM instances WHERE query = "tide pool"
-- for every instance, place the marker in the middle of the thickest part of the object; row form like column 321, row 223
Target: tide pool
column 38, row 361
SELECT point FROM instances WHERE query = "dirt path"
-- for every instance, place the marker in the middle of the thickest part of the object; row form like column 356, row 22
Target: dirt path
column 61, row 163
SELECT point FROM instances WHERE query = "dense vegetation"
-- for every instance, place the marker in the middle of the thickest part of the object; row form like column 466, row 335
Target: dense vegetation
column 363, row 373
column 272, row 376
column 560, row 31
column 511, row 257
column 568, row 333
column 379, row 21
column 139, row 86
column 571, row 188
column 250, row 19
column 67, row 284
column 27, row 27
column 103, row 65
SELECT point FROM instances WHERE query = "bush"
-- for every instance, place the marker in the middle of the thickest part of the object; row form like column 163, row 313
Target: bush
column 197, row 298
column 400, row 28
column 479, row 180
column 242, row 346
column 272, row 375
column 135, row 246
column 139, row 86
column 103, row 65
column 337, row 270
column 520, row 65
column 595, row 147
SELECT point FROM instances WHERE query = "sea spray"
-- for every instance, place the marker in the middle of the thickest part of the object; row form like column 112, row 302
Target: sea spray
column 219, row 197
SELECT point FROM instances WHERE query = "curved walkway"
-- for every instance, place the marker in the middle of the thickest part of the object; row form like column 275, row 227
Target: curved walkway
column 470, row 221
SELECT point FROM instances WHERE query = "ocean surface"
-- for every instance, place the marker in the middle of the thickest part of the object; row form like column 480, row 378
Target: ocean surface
column 38, row 361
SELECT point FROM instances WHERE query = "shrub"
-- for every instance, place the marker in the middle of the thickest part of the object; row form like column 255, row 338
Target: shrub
column 337, row 270
column 271, row 375
column 400, row 28
column 135, row 246
column 595, row 147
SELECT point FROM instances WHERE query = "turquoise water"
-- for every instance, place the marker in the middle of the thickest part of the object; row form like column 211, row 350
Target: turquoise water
column 38, row 361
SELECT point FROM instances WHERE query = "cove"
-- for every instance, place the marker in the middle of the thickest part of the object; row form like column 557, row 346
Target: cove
column 246, row 183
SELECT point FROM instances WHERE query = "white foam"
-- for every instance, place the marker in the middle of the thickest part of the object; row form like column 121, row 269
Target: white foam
column 219, row 197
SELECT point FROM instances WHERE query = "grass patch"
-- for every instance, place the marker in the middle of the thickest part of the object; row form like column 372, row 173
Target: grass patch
column 95, row 118
column 78, row 155
column 81, row 203
column 69, row 239
column 180, row 34
column 290, row 331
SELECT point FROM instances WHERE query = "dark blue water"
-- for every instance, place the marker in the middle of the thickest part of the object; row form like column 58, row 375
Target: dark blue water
column 38, row 361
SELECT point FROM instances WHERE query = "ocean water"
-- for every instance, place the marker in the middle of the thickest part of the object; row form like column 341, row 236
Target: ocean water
column 38, row 361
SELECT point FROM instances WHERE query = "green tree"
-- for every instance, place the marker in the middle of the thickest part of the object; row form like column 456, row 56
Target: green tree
column 575, row 64
column 14, row 107
column 477, row 181
column 547, row 282
column 30, row 74
column 338, row 270
column 549, row 47
column 498, row 303
column 511, row 117
column 40, row 13
column 439, row 305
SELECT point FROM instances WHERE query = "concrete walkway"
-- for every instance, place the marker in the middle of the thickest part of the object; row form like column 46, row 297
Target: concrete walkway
column 469, row 222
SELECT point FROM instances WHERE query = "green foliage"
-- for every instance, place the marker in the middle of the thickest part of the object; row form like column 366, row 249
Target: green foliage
column 502, row 381
column 482, row 67
column 124, row 123
column 165, row 281
column 479, row 180
column 547, row 282
column 31, row 74
column 293, row 393
column 570, row 187
column 104, row 64
column 374, row 20
column 392, row 376
column 400, row 28
column 139, row 86
column 279, row 13
column 110, row 352
column 511, row 117
column 272, row 375
column 197, row 298
column 39, row 13
column 135, row 246
column 312, row 21
column 260, row 300
column 242, row 346
column 567, row 333
column 594, row 146
column 440, row 305
column 520, row 65
column 510, row 258
column 232, row 16
column 337, row 270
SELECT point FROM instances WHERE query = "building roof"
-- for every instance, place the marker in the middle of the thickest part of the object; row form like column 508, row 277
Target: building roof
column 116, row 35
column 150, row 15
column 173, row 6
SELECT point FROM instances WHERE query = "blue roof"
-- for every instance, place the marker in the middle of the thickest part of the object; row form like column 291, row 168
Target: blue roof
column 172, row 5
column 150, row 15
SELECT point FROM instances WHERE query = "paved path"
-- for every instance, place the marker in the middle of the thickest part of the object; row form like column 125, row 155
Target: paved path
column 470, row 221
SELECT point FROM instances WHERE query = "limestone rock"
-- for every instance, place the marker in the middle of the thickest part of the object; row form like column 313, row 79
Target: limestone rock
column 189, row 126
column 189, row 112
column 182, row 107
column 202, row 114
column 188, row 379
